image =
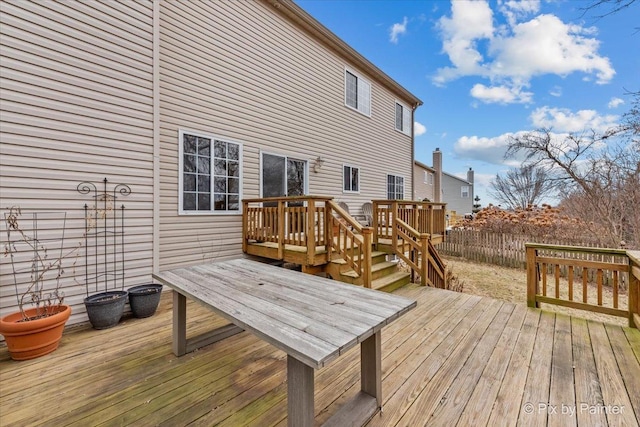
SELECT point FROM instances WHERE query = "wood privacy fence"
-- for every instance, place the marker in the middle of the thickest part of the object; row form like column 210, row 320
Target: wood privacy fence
column 504, row 249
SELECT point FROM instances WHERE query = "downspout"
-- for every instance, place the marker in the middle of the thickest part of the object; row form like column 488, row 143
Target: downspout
column 156, row 138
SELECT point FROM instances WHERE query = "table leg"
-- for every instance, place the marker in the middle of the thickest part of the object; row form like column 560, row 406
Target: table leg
column 300, row 390
column 371, row 367
column 179, row 324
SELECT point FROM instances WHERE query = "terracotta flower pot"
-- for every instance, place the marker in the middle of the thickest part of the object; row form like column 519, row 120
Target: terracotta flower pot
column 33, row 338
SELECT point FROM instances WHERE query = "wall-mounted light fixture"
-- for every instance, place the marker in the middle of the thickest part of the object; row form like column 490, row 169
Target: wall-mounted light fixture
column 317, row 165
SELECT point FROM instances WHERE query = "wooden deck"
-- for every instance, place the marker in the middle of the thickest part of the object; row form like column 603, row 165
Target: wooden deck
column 456, row 359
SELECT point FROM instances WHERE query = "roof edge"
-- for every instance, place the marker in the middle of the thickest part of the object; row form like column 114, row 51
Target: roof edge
column 298, row 15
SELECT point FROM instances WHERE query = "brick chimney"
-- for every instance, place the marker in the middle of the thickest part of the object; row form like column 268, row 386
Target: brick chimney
column 437, row 179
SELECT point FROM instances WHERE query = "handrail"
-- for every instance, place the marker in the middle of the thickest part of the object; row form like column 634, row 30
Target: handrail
column 423, row 258
column 576, row 262
column 425, row 217
column 352, row 242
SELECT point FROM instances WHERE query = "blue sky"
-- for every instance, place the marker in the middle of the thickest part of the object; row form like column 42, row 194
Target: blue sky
column 489, row 69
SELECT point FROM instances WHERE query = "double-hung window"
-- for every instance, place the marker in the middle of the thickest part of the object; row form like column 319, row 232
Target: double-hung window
column 350, row 179
column 403, row 119
column 464, row 192
column 357, row 92
column 428, row 178
column 210, row 175
column 395, row 187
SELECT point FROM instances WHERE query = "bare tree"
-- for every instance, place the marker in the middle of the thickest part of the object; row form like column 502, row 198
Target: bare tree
column 599, row 172
column 525, row 186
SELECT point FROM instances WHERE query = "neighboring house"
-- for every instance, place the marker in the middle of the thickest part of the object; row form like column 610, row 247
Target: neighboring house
column 195, row 105
column 438, row 186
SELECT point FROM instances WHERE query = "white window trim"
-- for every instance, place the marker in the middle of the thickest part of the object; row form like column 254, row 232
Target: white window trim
column 286, row 156
column 404, row 186
column 406, row 129
column 359, row 179
column 462, row 187
column 212, row 137
column 360, row 78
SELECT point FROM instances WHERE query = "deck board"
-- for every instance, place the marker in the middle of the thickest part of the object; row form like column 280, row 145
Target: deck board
column 456, row 358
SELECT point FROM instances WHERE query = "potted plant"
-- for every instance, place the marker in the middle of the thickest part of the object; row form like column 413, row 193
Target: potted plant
column 144, row 299
column 37, row 253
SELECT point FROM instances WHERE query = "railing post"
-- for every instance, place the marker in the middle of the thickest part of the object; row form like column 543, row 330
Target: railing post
column 431, row 226
column 532, row 277
column 245, row 225
column 394, row 231
column 328, row 230
column 414, row 217
column 375, row 222
column 310, row 232
column 634, row 289
column 367, row 233
column 424, row 265
column 281, row 228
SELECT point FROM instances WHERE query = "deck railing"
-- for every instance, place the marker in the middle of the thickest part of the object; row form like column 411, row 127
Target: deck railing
column 424, row 217
column 418, row 252
column 594, row 279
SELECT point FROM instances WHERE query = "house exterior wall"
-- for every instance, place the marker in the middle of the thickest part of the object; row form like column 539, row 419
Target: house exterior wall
column 423, row 182
column 451, row 194
column 76, row 106
column 242, row 71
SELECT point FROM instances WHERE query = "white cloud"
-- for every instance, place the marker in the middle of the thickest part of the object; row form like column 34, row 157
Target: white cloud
column 564, row 120
column 397, row 29
column 419, row 129
column 556, row 91
column 615, row 103
column 516, row 52
column 500, row 94
column 490, row 150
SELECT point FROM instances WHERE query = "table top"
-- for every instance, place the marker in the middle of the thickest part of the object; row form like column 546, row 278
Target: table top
column 311, row 318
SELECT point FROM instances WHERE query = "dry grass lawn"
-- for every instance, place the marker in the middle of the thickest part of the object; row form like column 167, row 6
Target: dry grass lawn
column 510, row 284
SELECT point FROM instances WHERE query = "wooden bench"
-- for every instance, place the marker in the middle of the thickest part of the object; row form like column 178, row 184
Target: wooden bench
column 313, row 319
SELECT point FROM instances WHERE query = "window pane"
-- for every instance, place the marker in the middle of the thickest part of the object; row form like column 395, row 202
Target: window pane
column 234, row 185
column 295, row 177
column 204, row 147
column 220, row 185
column 204, row 165
column 204, row 202
column 204, row 183
column 233, row 169
column 189, row 144
column 406, row 121
column 234, row 203
column 364, row 97
column 351, row 90
column 189, row 182
column 221, row 149
column 189, row 201
column 354, row 179
column 234, row 152
column 398, row 116
column 189, row 163
column 346, row 177
column 273, row 176
column 220, row 203
column 220, row 167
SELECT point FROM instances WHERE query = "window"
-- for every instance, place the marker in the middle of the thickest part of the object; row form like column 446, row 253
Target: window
column 357, row 93
column 351, row 179
column 464, row 191
column 428, row 178
column 395, row 187
column 403, row 119
column 210, row 174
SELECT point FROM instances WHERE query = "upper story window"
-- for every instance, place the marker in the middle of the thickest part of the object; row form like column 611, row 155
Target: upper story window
column 351, row 179
column 395, row 187
column 357, row 92
column 428, row 178
column 403, row 119
column 210, row 176
column 464, row 192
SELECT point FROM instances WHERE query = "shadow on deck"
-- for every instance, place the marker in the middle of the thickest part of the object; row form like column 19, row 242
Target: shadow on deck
column 456, row 359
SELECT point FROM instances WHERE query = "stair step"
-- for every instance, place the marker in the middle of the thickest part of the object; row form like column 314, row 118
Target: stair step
column 391, row 282
column 376, row 270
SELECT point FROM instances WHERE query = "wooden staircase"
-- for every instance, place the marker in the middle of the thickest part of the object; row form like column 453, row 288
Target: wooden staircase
column 317, row 234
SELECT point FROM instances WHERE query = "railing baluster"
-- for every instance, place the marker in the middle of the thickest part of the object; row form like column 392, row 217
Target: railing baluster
column 599, row 283
column 557, row 277
column 585, row 280
column 570, row 278
column 615, row 289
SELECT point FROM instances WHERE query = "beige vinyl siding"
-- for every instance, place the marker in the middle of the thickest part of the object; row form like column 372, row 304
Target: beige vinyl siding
column 422, row 189
column 243, row 71
column 77, row 105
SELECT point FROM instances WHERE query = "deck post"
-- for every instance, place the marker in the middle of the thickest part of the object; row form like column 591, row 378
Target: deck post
column 375, row 222
column 245, row 219
column 424, row 243
column 281, row 228
column 532, row 277
column 310, row 231
column 394, row 231
column 367, row 233
column 634, row 289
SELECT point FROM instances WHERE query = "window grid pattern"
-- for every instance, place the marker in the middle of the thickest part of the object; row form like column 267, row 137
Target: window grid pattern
column 464, row 191
column 357, row 93
column 395, row 187
column 351, row 179
column 403, row 119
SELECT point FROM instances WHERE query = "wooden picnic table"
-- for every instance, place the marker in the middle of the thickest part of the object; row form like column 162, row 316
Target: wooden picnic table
column 313, row 319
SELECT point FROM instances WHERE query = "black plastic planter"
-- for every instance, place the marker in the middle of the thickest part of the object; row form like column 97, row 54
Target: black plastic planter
column 144, row 299
column 105, row 309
